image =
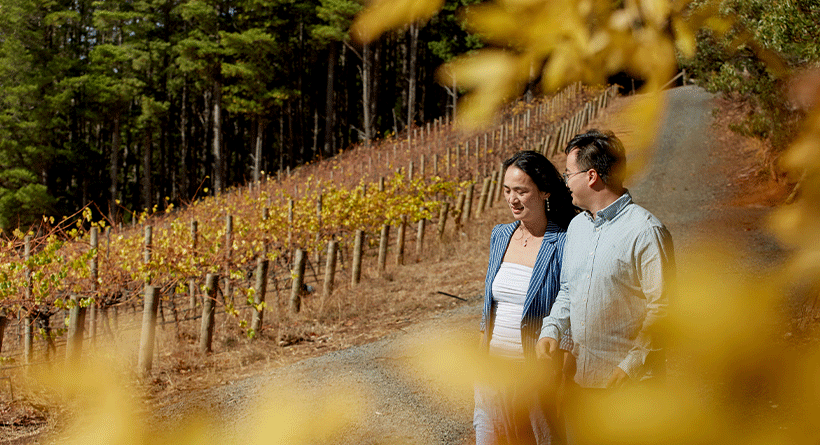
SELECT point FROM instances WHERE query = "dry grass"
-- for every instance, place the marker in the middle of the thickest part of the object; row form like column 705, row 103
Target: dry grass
column 381, row 304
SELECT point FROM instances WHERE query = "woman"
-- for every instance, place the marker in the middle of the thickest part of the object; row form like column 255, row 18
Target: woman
column 520, row 288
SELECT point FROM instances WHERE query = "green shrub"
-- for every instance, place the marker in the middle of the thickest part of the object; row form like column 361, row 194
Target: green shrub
column 729, row 64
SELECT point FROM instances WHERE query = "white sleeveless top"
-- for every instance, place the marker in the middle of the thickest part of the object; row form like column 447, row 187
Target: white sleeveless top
column 509, row 293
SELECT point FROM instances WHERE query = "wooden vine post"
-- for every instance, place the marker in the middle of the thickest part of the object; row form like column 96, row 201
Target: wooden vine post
column 76, row 324
column 4, row 320
column 260, row 289
column 298, row 275
column 468, row 202
column 317, row 255
column 385, row 236
column 420, row 237
column 459, row 216
column 442, row 219
column 228, row 293
column 95, row 285
column 28, row 321
column 482, row 200
column 358, row 246
column 290, row 227
column 147, row 242
column 206, row 332
column 501, row 173
column 261, row 285
column 493, row 187
column 400, row 241
column 149, row 323
column 330, row 270
column 477, row 157
column 458, row 159
column 192, row 282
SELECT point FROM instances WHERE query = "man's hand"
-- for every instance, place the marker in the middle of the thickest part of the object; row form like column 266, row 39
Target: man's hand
column 618, row 379
column 546, row 348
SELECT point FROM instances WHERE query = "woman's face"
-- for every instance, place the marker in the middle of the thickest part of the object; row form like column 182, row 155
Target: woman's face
column 525, row 200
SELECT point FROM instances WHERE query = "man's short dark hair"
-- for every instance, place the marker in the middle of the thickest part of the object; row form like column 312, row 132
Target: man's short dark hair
column 601, row 151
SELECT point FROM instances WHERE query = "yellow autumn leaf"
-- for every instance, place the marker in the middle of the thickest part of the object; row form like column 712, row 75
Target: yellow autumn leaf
column 384, row 15
column 802, row 155
column 655, row 12
column 684, row 38
column 641, row 118
column 492, row 76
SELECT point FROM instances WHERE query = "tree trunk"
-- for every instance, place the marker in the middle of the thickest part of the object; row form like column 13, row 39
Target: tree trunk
column 257, row 157
column 301, row 114
column 291, row 138
column 147, row 183
column 411, row 77
column 219, row 158
column 455, row 97
column 330, row 112
column 315, row 147
column 282, row 140
column 375, row 80
column 185, row 155
column 366, row 92
column 3, row 323
column 114, row 170
column 349, row 96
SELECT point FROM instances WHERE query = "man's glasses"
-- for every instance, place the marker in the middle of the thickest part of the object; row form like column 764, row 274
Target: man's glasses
column 569, row 175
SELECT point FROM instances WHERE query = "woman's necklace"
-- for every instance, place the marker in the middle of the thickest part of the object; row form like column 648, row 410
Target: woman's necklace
column 525, row 239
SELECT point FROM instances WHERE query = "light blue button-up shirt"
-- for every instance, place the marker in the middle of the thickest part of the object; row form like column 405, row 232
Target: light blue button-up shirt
column 615, row 279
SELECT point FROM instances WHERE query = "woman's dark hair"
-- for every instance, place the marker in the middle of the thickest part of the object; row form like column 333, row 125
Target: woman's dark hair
column 547, row 179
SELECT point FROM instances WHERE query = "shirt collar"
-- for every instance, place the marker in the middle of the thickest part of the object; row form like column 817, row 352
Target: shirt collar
column 611, row 211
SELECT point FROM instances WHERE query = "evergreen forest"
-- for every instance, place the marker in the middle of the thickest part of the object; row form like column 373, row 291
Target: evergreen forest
column 125, row 105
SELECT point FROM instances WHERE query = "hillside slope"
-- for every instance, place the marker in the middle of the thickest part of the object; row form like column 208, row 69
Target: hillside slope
column 689, row 185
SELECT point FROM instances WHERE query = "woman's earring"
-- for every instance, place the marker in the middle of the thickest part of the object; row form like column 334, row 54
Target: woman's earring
column 547, row 204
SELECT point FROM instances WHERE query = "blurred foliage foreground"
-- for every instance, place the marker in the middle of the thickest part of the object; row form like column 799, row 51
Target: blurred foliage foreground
column 738, row 382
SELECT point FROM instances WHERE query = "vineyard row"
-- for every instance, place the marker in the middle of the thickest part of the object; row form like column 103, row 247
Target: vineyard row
column 311, row 212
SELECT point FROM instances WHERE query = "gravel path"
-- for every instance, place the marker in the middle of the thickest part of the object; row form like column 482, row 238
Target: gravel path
column 684, row 187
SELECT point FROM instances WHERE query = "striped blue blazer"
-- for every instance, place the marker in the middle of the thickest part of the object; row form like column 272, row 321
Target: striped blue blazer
column 543, row 286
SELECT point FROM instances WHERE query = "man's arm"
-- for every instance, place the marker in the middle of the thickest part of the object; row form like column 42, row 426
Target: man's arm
column 655, row 263
column 554, row 324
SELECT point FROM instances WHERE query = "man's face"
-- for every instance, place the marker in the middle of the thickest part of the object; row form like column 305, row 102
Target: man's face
column 577, row 180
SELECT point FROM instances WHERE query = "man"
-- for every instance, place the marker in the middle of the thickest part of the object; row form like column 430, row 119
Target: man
column 615, row 276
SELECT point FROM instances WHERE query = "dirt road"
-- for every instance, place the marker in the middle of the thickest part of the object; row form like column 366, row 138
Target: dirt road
column 686, row 186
